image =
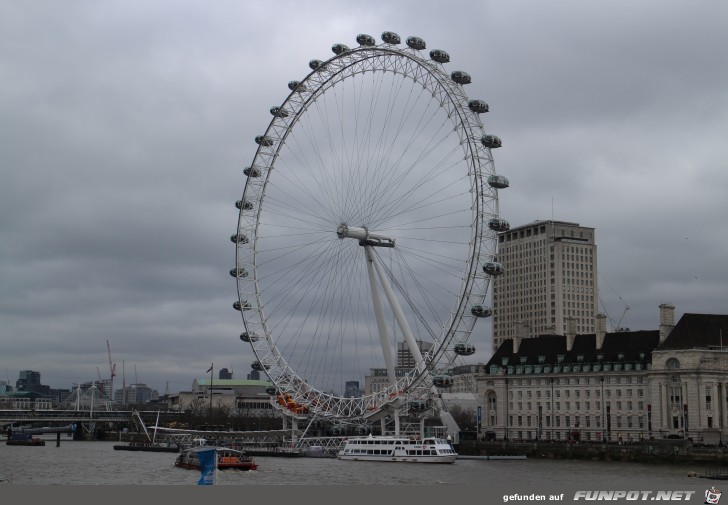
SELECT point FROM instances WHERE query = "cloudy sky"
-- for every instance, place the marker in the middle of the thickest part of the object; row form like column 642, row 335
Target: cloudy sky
column 125, row 126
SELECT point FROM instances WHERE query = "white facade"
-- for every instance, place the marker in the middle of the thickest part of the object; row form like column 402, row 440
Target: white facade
column 623, row 386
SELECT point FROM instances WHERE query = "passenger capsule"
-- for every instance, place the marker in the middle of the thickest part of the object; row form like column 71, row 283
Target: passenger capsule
column 244, row 205
column 418, row 405
column 491, row 141
column 493, row 268
column 340, row 48
column 296, row 86
column 497, row 181
column 481, row 311
column 262, row 140
column 278, row 112
column 439, row 56
column 314, row 64
column 365, row 40
column 461, row 77
column 497, row 224
column 238, row 238
column 251, row 172
column 442, row 381
column 271, row 390
column 244, row 306
column 463, row 349
column 478, row 106
column 239, row 273
column 391, row 38
column 249, row 337
column 257, row 365
column 416, row 43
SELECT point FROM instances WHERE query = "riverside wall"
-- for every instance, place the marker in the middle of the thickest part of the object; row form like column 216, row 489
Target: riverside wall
column 645, row 451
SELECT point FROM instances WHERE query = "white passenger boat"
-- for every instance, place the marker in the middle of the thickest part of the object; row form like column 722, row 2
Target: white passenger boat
column 392, row 448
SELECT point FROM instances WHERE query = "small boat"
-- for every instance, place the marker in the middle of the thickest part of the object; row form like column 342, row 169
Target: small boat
column 402, row 449
column 226, row 459
column 24, row 439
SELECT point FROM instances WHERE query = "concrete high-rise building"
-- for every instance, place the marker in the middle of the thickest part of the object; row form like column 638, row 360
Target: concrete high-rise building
column 405, row 359
column 549, row 280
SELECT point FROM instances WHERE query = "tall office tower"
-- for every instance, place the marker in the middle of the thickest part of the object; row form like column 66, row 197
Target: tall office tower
column 404, row 356
column 550, row 275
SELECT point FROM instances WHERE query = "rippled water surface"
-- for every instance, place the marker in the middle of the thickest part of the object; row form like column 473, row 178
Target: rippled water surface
column 97, row 463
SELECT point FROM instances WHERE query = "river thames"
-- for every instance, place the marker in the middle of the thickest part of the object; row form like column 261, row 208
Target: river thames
column 82, row 463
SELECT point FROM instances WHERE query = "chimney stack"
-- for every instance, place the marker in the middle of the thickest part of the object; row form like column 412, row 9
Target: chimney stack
column 570, row 332
column 601, row 329
column 667, row 320
column 523, row 330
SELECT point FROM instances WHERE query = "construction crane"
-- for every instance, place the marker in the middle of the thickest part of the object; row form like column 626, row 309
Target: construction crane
column 112, row 370
column 618, row 327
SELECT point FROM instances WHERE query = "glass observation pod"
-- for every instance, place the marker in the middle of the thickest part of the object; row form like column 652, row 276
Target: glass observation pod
column 238, row 273
column 340, row 48
column 251, row 172
column 365, row 40
column 439, row 56
column 270, row 390
column 493, row 268
column 461, row 77
column 442, row 381
column 314, row 64
column 497, row 224
column 278, row 112
column 244, row 306
column 249, row 336
column 296, row 86
column 419, row 405
column 463, row 349
column 481, row 311
column 391, row 38
column 257, row 365
column 262, row 140
column 491, row 141
column 244, row 205
column 497, row 181
column 362, row 430
column 416, row 43
column 478, row 106
column 238, row 238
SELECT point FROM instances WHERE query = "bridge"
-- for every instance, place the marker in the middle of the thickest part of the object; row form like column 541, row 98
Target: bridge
column 67, row 421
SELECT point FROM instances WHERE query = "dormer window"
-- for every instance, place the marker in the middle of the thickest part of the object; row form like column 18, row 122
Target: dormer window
column 560, row 358
column 504, row 361
column 580, row 358
column 541, row 359
column 600, row 357
column 523, row 360
column 620, row 356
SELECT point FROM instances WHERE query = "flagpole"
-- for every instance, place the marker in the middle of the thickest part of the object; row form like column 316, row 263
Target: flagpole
column 209, row 416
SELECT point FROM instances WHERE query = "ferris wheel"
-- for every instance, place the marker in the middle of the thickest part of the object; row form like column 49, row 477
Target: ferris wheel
column 367, row 230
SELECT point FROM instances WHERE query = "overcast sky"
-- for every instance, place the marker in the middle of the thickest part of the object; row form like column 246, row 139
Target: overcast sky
column 125, row 126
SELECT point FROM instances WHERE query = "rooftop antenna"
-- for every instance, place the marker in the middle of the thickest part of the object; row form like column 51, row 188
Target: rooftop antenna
column 552, row 209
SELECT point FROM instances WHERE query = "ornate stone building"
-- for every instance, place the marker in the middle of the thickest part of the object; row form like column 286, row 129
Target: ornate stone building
column 619, row 386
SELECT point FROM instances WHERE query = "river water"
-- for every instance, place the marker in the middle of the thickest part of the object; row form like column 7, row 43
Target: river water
column 82, row 463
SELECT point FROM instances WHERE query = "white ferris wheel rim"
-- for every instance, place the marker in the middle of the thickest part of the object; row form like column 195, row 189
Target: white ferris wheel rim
column 260, row 310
